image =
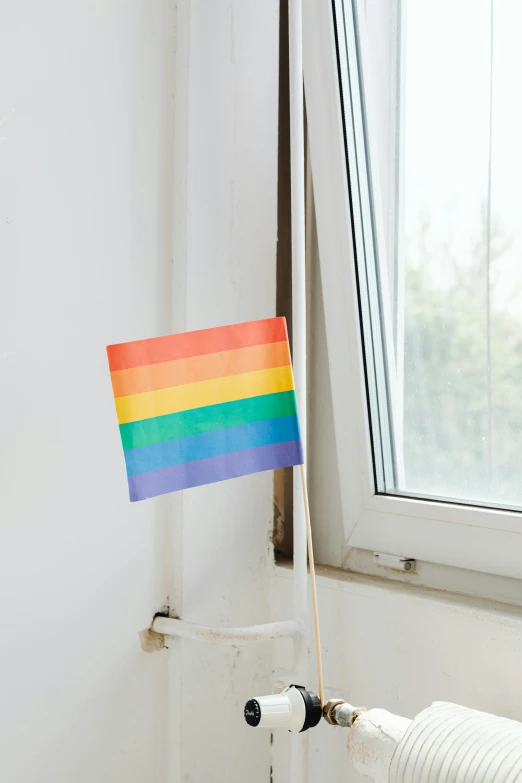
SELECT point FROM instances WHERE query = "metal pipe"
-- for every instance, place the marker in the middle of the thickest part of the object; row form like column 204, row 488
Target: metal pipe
column 170, row 626
column 299, row 750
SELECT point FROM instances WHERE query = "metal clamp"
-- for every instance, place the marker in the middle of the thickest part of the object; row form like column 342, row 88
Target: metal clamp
column 328, row 710
column 338, row 712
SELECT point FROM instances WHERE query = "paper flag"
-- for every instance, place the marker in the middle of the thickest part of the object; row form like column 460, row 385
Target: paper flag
column 205, row 406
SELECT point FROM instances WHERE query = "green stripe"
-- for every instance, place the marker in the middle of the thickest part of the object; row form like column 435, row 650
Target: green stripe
column 211, row 417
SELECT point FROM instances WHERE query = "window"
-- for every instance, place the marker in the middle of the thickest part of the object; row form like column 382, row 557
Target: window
column 414, row 129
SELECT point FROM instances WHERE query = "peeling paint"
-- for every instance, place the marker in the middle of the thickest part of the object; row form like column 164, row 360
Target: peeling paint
column 151, row 641
column 372, row 741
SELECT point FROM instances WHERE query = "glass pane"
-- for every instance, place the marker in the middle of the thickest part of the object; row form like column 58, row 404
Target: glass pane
column 433, row 121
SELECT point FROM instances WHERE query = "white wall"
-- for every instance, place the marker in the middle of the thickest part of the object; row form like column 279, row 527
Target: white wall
column 225, row 219
column 85, row 234
column 138, row 186
column 400, row 647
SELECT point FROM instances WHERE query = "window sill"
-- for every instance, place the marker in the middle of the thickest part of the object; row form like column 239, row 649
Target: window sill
column 487, row 591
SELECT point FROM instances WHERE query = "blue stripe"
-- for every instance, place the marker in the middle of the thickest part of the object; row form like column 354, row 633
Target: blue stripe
column 222, row 468
column 211, row 444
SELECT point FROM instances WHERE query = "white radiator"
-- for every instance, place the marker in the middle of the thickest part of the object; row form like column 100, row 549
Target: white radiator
column 443, row 744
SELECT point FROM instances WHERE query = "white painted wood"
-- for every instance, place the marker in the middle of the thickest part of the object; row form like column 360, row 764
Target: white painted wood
column 323, row 473
column 478, row 539
column 299, row 358
column 85, row 224
column 492, row 551
column 224, row 272
column 336, row 253
column 440, row 577
column 176, row 506
column 380, row 140
column 378, row 30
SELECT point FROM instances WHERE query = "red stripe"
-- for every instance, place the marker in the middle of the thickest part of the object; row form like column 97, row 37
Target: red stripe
column 181, row 346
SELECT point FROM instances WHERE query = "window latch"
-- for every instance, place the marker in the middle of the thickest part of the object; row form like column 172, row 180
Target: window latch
column 395, row 562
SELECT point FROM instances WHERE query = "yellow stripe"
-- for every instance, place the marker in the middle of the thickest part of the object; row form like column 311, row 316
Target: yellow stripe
column 147, row 405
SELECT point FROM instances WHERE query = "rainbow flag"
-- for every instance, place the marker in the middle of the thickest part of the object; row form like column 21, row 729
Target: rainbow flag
column 205, row 406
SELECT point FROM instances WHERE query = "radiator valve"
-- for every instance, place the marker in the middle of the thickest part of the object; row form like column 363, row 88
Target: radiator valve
column 294, row 709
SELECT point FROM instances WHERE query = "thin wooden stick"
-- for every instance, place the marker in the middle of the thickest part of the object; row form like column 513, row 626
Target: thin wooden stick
column 314, row 588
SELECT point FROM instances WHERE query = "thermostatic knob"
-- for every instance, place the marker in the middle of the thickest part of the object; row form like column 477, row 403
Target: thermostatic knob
column 295, row 709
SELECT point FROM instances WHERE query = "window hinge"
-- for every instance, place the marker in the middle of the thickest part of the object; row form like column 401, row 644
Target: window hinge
column 396, row 562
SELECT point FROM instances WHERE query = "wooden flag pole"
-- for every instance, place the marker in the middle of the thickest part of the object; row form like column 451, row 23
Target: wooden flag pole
column 314, row 587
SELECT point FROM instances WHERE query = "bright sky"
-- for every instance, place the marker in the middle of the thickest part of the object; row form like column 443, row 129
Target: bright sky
column 446, row 103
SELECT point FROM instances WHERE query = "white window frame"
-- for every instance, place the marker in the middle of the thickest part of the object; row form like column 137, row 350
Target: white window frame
column 480, row 539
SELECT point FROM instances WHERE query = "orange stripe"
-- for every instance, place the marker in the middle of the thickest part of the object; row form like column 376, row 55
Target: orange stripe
column 181, row 346
column 199, row 368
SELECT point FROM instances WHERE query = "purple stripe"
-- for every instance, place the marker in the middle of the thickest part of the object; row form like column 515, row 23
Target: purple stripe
column 207, row 471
